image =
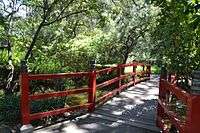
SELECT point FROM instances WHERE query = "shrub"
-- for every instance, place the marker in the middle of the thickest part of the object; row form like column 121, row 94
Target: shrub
column 9, row 110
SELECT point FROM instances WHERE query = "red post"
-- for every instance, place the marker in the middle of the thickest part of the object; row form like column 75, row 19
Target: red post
column 119, row 72
column 169, row 77
column 149, row 71
column 193, row 105
column 24, row 103
column 134, row 71
column 160, row 110
column 193, row 115
column 143, row 70
column 92, row 91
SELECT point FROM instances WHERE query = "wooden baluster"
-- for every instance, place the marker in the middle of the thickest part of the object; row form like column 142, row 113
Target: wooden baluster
column 92, row 87
column 24, row 99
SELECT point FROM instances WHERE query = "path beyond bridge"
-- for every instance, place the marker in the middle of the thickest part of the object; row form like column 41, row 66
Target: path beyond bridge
column 132, row 111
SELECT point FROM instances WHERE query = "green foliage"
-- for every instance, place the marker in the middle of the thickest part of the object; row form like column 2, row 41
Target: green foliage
column 9, row 110
column 176, row 36
column 155, row 69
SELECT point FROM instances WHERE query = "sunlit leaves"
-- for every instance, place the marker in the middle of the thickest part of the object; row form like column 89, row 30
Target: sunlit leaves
column 176, row 36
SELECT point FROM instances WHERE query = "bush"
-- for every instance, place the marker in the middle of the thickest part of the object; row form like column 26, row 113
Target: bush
column 9, row 110
column 155, row 69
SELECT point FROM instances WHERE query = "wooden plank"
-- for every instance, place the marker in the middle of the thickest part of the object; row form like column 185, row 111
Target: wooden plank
column 58, row 111
column 24, row 102
column 58, row 94
column 106, row 83
column 127, row 122
column 56, row 76
column 92, row 91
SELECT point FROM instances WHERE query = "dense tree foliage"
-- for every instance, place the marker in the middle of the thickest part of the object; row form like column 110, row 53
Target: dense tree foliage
column 62, row 36
column 176, row 35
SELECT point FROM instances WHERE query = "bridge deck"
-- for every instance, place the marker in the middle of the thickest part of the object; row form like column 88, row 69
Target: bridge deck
column 133, row 111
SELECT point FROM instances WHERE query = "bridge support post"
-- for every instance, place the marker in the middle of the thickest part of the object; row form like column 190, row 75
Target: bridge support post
column 160, row 110
column 92, row 87
column 119, row 72
column 24, row 100
column 143, row 71
column 193, row 105
column 149, row 71
column 134, row 71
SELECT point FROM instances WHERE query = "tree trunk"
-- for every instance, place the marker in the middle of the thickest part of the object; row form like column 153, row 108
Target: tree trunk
column 8, row 90
column 124, row 61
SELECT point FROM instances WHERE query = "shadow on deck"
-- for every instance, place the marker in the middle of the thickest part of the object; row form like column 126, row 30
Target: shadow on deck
column 132, row 111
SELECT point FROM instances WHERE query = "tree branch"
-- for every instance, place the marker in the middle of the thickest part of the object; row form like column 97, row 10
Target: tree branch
column 34, row 40
column 66, row 16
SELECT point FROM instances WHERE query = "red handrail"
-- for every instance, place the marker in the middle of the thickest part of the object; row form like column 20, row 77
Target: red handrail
column 26, row 97
column 55, row 76
column 121, row 77
column 190, row 124
column 58, row 94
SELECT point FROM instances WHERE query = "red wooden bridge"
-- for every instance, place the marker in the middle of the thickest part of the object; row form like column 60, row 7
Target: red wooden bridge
column 130, row 107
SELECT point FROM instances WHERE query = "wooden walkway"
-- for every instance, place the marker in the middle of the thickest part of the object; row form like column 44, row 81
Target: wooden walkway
column 133, row 111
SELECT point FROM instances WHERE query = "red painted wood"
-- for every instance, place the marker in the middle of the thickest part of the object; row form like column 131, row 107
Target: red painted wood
column 123, row 76
column 160, row 114
column 58, row 94
column 134, row 74
column 174, row 118
column 180, row 93
column 191, row 124
column 148, row 70
column 55, row 76
column 114, row 92
column 106, row 70
column 169, row 78
column 24, row 101
column 25, row 98
column 144, row 72
column 119, row 74
column 58, row 111
column 126, row 85
column 92, row 91
column 193, row 115
column 106, row 83
column 106, row 96
column 160, row 124
column 141, row 80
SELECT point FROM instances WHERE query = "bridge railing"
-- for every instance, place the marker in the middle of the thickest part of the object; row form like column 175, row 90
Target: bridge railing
column 145, row 75
column 185, row 121
column 91, row 89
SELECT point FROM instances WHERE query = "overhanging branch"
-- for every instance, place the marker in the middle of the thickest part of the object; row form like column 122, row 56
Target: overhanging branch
column 66, row 16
